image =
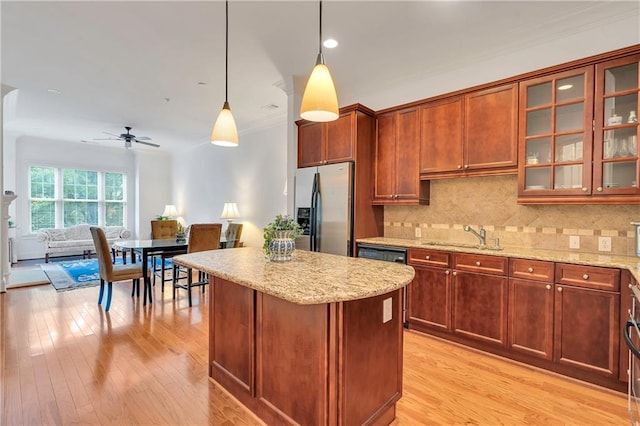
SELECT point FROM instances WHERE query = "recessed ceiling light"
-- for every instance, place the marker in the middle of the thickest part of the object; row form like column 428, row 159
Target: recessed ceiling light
column 565, row 87
column 54, row 91
column 330, row 43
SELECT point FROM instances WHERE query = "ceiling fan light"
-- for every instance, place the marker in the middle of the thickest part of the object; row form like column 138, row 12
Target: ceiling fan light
column 320, row 101
column 225, row 132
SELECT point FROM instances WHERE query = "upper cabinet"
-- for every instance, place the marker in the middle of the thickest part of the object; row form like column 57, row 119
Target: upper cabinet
column 579, row 135
column 397, row 156
column 331, row 142
column 471, row 134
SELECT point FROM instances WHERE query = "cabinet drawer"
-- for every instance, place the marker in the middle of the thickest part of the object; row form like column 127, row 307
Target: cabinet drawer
column 535, row 270
column 480, row 263
column 430, row 257
column 588, row 276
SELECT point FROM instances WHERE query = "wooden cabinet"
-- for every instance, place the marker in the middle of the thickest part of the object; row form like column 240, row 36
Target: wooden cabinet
column 579, row 135
column 475, row 133
column 626, row 297
column 480, row 297
column 429, row 294
column 396, row 177
column 586, row 318
column 331, row 142
column 531, row 291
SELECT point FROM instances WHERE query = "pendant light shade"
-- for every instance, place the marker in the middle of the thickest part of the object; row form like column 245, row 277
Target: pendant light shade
column 320, row 101
column 225, row 132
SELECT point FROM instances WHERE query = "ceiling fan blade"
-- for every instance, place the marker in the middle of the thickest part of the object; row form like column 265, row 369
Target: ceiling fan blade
column 143, row 138
column 106, row 139
column 111, row 134
column 147, row 143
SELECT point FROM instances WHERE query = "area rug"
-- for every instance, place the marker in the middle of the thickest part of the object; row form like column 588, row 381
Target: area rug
column 76, row 273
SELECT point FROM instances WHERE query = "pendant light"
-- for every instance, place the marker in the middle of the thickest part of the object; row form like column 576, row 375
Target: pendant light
column 320, row 101
column 225, row 132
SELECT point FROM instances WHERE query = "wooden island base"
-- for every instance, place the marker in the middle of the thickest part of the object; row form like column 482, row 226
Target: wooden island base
column 320, row 364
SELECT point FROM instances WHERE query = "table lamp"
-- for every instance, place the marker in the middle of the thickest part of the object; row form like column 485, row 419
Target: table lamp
column 170, row 211
column 230, row 212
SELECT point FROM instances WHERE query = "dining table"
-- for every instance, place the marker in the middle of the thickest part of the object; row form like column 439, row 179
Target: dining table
column 146, row 248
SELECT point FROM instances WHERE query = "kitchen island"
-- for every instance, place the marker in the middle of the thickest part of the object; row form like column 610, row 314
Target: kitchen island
column 314, row 341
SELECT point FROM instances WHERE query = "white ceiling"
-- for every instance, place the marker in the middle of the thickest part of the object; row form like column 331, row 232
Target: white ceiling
column 140, row 63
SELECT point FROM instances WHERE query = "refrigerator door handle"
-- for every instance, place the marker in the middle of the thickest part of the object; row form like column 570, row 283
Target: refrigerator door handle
column 313, row 220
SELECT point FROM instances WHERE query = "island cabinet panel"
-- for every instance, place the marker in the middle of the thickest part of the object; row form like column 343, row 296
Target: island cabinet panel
column 232, row 335
column 370, row 398
column 292, row 358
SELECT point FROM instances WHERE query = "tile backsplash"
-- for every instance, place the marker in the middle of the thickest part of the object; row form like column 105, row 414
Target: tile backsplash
column 491, row 202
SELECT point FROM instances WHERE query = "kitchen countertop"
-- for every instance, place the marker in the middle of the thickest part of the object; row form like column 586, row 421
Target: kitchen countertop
column 310, row 278
column 632, row 263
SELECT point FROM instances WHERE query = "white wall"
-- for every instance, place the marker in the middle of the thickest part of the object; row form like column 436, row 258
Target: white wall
column 34, row 151
column 154, row 189
column 252, row 174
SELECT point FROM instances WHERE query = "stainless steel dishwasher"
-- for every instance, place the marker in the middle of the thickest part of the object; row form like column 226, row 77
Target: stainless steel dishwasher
column 387, row 254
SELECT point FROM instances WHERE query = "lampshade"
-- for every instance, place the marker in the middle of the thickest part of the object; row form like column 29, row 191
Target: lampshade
column 170, row 211
column 230, row 211
column 320, row 101
column 225, row 132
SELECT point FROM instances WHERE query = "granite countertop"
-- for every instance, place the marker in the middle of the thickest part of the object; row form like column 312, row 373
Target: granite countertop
column 310, row 278
column 632, row 263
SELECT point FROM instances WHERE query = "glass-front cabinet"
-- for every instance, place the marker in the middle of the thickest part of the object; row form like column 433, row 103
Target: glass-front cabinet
column 579, row 134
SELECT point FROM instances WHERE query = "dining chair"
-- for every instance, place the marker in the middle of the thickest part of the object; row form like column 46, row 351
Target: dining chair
column 162, row 230
column 232, row 235
column 202, row 237
column 110, row 272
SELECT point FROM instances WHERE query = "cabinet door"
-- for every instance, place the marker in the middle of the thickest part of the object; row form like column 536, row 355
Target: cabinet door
column 407, row 155
column 555, row 134
column 626, row 297
column 339, row 140
column 385, row 169
column 491, row 128
column 616, row 161
column 480, row 307
column 311, row 144
column 429, row 299
column 441, row 136
column 587, row 329
column 531, row 317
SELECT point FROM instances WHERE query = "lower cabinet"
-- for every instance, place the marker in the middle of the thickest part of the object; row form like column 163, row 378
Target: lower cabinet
column 567, row 317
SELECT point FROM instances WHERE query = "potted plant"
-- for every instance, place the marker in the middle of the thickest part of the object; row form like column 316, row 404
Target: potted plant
column 279, row 238
column 180, row 236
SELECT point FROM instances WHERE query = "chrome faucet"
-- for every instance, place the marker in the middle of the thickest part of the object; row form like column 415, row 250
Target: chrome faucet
column 482, row 234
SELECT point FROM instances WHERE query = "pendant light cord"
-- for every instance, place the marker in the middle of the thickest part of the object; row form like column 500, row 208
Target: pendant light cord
column 320, row 39
column 226, row 53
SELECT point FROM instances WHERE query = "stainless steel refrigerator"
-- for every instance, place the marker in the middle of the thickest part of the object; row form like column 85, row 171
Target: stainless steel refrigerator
column 324, row 208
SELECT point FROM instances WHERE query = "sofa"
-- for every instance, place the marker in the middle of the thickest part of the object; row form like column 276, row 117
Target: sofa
column 76, row 239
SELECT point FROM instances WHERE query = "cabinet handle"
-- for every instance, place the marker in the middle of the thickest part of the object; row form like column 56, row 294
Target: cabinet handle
column 585, row 277
column 447, row 272
column 459, row 166
column 630, row 285
column 548, row 286
column 454, row 273
column 478, row 263
column 427, row 257
column 560, row 289
column 585, row 189
column 599, row 189
column 530, row 270
column 466, row 166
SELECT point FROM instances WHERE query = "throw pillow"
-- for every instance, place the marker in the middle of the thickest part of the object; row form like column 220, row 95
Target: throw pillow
column 57, row 235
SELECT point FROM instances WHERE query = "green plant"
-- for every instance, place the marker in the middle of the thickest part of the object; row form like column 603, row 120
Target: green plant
column 280, row 223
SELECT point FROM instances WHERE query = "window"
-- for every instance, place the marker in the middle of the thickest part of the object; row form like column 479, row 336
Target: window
column 67, row 197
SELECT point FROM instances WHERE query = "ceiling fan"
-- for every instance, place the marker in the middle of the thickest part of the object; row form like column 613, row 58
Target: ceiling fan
column 128, row 138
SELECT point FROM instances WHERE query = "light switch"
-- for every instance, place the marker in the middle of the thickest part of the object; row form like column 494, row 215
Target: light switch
column 387, row 312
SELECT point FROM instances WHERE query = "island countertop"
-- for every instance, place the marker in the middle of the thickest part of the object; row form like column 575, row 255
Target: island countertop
column 310, row 278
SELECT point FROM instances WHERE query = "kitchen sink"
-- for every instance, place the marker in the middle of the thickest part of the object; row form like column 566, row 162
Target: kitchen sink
column 461, row 245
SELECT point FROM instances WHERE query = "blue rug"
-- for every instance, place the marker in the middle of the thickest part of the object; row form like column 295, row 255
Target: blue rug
column 78, row 273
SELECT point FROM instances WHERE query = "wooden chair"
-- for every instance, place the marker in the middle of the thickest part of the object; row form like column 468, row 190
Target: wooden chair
column 232, row 235
column 110, row 272
column 202, row 237
column 162, row 230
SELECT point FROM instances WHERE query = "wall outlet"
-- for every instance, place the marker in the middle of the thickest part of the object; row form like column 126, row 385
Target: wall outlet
column 418, row 232
column 574, row 241
column 604, row 243
column 387, row 312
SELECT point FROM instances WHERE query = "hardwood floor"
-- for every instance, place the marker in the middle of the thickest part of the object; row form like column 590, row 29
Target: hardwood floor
column 65, row 361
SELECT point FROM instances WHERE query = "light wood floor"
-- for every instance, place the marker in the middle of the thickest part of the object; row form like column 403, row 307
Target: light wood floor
column 65, row 361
